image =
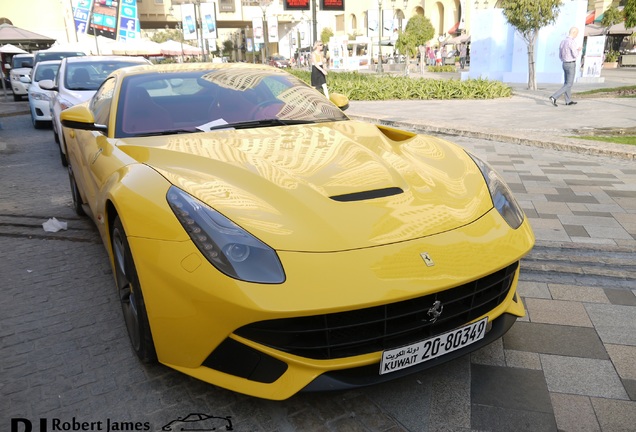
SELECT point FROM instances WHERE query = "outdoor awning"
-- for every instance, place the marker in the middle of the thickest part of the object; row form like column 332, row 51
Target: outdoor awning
column 10, row 34
column 454, row 28
column 590, row 17
column 11, row 49
column 615, row 30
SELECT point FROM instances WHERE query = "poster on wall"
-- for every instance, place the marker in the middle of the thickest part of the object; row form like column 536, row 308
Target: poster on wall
column 272, row 29
column 105, row 15
column 188, row 22
column 208, row 20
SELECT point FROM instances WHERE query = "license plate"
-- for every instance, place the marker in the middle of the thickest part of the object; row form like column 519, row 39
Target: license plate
column 420, row 352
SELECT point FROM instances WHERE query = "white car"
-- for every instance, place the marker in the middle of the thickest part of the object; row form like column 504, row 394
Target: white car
column 21, row 65
column 77, row 80
column 39, row 99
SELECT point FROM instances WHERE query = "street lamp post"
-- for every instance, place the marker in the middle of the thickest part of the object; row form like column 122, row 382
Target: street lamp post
column 380, row 25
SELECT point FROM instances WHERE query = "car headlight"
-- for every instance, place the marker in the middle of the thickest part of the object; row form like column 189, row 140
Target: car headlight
column 64, row 104
column 502, row 197
column 228, row 247
column 39, row 96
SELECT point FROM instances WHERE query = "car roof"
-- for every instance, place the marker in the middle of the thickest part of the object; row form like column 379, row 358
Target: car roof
column 94, row 59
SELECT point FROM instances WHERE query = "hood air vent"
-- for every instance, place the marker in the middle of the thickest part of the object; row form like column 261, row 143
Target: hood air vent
column 367, row 195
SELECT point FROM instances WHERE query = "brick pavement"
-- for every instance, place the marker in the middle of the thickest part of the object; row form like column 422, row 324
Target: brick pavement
column 568, row 365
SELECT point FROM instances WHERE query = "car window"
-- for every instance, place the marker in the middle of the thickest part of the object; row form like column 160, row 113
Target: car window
column 45, row 72
column 56, row 55
column 89, row 75
column 100, row 104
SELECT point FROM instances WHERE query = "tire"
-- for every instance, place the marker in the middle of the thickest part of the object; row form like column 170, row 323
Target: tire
column 16, row 98
column 77, row 197
column 131, row 296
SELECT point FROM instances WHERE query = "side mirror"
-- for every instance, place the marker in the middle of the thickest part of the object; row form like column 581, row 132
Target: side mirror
column 47, row 85
column 80, row 117
column 7, row 66
column 339, row 100
column 25, row 79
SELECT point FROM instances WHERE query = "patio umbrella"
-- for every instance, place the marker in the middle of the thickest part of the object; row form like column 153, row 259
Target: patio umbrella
column 11, row 49
column 10, row 34
column 174, row 48
column 134, row 47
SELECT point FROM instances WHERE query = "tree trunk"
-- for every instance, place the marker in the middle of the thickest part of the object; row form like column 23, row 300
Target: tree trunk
column 532, row 77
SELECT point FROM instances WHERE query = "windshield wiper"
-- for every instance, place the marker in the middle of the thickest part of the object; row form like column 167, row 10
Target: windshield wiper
column 167, row 132
column 259, row 123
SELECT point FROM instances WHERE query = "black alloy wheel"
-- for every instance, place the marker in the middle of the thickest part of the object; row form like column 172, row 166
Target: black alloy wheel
column 130, row 295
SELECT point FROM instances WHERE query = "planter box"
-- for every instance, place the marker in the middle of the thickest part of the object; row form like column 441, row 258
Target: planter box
column 610, row 65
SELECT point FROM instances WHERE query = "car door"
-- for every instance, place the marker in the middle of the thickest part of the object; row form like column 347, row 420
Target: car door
column 93, row 154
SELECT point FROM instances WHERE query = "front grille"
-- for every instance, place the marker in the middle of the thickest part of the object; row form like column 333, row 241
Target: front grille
column 362, row 331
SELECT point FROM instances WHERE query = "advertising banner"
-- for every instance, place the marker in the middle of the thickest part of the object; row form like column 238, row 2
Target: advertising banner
column 104, row 19
column 272, row 29
column 188, row 22
column 81, row 15
column 208, row 20
column 593, row 61
column 257, row 26
column 129, row 20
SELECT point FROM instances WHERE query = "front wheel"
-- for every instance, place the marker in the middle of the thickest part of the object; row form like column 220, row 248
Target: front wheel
column 131, row 296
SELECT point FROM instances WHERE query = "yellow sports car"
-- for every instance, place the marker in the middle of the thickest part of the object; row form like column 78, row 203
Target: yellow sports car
column 264, row 242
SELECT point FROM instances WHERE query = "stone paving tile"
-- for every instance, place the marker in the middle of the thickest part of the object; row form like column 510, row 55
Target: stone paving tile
column 555, row 339
column 620, row 297
column 582, row 376
column 578, row 293
column 492, row 354
column 508, row 396
column 574, row 413
column 451, row 389
column 557, row 312
column 630, row 387
column 624, row 359
column 527, row 289
column 522, row 359
column 615, row 324
column 615, row 416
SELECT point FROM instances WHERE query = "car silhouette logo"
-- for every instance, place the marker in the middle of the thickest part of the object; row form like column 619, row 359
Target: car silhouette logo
column 200, row 423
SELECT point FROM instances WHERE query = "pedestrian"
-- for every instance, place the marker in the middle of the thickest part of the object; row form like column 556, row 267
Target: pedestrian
column 438, row 56
column 319, row 69
column 569, row 51
column 463, row 49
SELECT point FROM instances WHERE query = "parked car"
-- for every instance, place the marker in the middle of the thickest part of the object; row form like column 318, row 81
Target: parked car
column 76, row 81
column 262, row 241
column 19, row 75
column 39, row 99
column 55, row 54
column 278, row 61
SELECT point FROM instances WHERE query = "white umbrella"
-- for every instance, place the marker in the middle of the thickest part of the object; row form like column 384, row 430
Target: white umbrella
column 174, row 48
column 136, row 47
column 11, row 49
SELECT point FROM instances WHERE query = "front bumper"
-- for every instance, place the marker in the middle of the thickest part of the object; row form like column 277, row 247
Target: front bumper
column 195, row 312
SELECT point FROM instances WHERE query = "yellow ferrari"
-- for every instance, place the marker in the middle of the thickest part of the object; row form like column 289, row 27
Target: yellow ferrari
column 263, row 242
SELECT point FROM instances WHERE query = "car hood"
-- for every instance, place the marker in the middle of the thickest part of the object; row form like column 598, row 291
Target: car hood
column 323, row 187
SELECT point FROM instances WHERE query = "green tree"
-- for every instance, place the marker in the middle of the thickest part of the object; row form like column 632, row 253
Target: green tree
column 325, row 35
column 630, row 13
column 418, row 31
column 611, row 16
column 528, row 17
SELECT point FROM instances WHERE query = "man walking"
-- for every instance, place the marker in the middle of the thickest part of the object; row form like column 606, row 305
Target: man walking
column 568, row 53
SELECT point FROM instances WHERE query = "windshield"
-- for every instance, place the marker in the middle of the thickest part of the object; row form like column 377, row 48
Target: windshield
column 21, row 62
column 89, row 75
column 45, row 72
column 56, row 55
column 203, row 100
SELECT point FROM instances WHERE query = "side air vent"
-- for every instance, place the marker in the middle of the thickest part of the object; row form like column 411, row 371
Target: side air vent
column 367, row 195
